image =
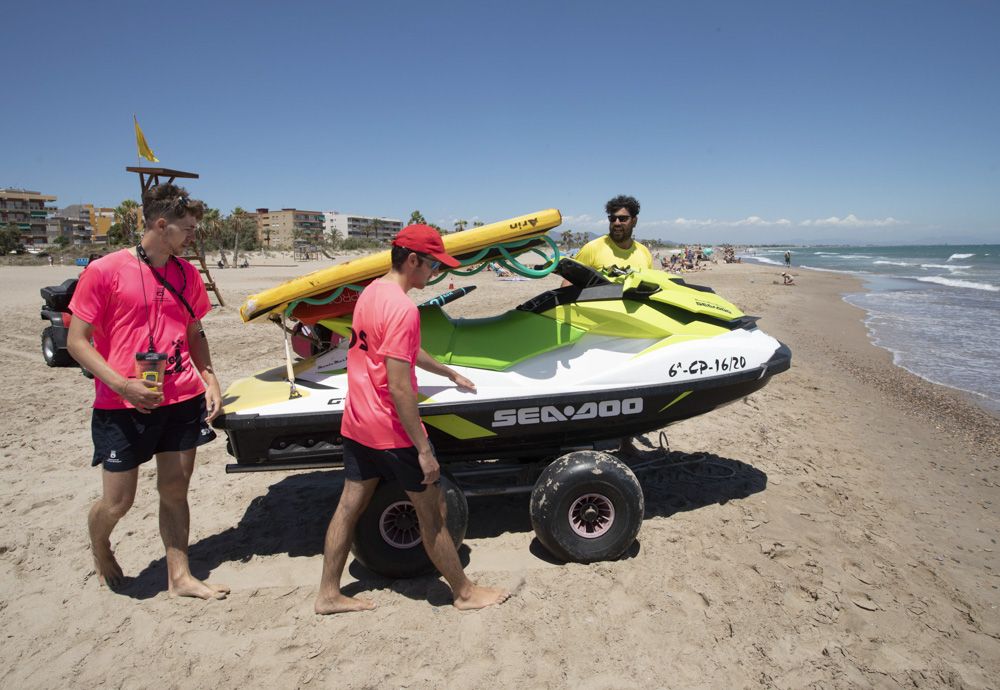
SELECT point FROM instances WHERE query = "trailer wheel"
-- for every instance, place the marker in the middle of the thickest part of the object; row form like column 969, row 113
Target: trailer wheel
column 587, row 506
column 53, row 356
column 387, row 538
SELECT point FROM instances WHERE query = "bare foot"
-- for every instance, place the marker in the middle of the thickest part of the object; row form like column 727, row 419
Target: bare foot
column 109, row 573
column 341, row 603
column 481, row 597
column 190, row 586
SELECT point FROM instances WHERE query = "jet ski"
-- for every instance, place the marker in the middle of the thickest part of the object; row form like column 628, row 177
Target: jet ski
column 597, row 360
column 561, row 379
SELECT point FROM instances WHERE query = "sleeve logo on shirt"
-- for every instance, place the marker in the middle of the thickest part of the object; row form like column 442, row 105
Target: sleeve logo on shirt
column 357, row 336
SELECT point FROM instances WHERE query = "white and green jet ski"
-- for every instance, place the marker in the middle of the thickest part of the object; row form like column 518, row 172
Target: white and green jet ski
column 561, row 379
column 575, row 367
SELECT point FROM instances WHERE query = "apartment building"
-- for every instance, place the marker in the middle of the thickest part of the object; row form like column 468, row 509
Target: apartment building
column 281, row 229
column 101, row 220
column 28, row 211
column 350, row 225
column 72, row 222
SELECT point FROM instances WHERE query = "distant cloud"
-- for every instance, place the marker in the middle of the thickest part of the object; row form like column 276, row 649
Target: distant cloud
column 582, row 220
column 680, row 224
column 751, row 221
column 852, row 221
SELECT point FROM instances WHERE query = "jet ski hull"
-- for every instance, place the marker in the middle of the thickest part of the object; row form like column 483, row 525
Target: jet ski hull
column 528, row 427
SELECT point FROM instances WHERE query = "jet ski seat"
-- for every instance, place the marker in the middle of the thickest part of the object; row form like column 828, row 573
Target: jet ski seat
column 580, row 275
column 496, row 342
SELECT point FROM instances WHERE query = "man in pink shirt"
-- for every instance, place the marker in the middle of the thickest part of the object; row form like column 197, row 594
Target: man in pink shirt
column 383, row 435
column 137, row 327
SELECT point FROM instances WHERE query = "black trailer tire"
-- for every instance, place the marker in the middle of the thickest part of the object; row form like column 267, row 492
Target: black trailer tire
column 387, row 538
column 53, row 356
column 587, row 506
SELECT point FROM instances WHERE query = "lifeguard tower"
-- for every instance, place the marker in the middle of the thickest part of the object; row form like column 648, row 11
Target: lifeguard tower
column 150, row 177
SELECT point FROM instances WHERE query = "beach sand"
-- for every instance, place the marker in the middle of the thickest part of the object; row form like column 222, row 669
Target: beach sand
column 843, row 533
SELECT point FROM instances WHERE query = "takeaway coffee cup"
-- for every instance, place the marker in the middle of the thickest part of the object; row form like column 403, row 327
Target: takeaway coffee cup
column 150, row 366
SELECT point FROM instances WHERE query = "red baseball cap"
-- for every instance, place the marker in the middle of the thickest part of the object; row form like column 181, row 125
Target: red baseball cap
column 424, row 239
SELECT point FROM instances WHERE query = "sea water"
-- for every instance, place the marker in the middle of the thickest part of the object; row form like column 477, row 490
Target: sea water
column 936, row 308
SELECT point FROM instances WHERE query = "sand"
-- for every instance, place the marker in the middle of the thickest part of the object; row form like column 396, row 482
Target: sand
column 842, row 534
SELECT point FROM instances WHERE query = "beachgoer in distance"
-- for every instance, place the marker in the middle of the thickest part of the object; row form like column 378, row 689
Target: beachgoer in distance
column 617, row 249
column 147, row 301
column 787, row 279
column 383, row 435
column 788, row 259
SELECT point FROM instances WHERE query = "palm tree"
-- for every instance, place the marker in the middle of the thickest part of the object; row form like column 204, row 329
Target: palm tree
column 417, row 218
column 478, row 223
column 210, row 231
column 566, row 239
column 125, row 228
column 460, row 225
column 239, row 222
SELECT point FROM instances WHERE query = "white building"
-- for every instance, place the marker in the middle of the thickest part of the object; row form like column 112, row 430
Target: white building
column 352, row 225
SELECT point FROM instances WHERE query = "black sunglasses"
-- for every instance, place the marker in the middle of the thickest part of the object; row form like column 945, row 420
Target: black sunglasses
column 431, row 261
column 621, row 219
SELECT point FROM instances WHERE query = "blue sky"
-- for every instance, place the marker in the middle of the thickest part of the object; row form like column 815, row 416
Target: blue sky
column 799, row 121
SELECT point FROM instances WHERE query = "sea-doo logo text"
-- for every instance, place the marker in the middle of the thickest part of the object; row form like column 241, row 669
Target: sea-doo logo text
column 568, row 413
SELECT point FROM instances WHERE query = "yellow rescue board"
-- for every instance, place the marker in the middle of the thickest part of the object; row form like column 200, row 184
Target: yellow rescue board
column 359, row 271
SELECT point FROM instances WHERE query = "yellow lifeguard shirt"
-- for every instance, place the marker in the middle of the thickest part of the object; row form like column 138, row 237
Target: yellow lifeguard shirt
column 603, row 254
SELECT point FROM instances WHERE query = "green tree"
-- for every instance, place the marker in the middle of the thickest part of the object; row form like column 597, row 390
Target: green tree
column 460, row 225
column 478, row 223
column 372, row 227
column 417, row 218
column 241, row 232
column 61, row 241
column 125, row 228
column 10, row 239
column 210, row 232
column 566, row 239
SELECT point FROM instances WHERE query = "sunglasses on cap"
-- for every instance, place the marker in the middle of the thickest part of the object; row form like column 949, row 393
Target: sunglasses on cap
column 621, row 219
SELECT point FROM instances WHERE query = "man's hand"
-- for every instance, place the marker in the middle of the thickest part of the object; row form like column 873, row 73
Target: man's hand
column 430, row 466
column 144, row 396
column 463, row 383
column 213, row 400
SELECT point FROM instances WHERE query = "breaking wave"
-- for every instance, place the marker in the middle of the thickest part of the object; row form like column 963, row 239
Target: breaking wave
column 951, row 282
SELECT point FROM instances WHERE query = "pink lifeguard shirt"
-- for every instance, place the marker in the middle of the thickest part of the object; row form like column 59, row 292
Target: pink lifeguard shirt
column 386, row 323
column 109, row 296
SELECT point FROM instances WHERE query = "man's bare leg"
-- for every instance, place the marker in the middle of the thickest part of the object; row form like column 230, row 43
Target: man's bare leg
column 116, row 499
column 339, row 535
column 173, row 475
column 432, row 513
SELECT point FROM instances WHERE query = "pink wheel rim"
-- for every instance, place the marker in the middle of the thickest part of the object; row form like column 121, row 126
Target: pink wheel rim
column 591, row 516
column 398, row 525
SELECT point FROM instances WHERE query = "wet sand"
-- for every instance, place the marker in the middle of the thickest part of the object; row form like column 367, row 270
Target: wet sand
column 842, row 533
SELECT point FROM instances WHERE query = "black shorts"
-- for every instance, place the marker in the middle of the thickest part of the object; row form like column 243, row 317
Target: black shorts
column 125, row 439
column 391, row 464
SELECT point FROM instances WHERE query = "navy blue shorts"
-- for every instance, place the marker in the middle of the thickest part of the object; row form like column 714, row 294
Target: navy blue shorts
column 125, row 439
column 392, row 464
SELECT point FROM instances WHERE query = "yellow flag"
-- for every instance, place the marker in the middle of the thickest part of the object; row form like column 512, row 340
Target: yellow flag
column 141, row 145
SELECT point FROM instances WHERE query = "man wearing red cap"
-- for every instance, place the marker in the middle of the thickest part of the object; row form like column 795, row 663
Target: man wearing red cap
column 383, row 434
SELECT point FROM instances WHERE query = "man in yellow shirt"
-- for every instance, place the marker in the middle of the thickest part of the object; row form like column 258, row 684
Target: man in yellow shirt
column 617, row 249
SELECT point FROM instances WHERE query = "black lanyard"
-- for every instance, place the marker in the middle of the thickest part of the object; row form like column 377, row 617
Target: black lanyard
column 141, row 253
